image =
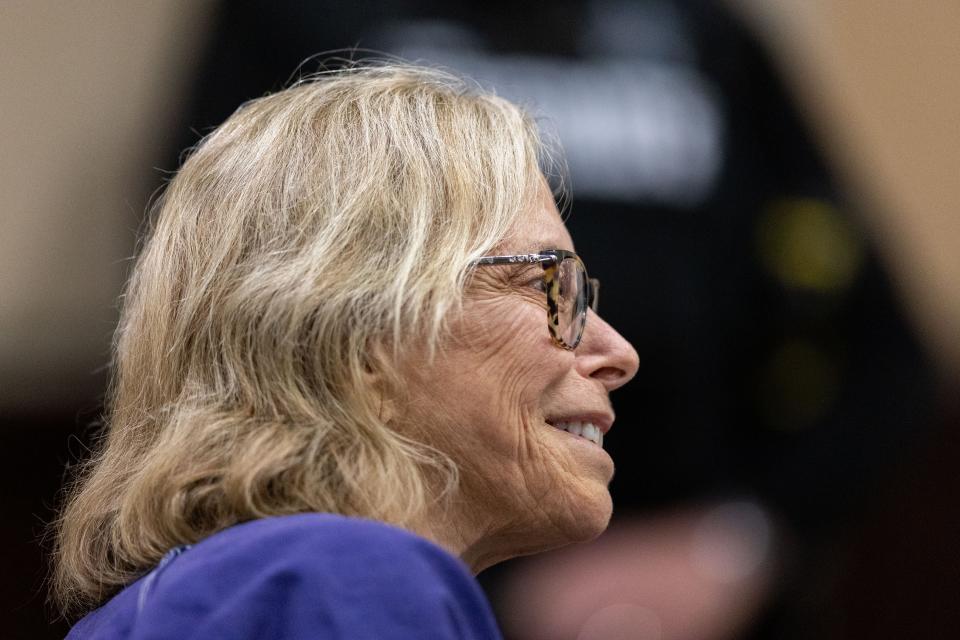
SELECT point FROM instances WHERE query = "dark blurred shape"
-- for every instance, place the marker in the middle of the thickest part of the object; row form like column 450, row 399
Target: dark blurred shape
column 797, row 386
column 905, row 568
column 36, row 448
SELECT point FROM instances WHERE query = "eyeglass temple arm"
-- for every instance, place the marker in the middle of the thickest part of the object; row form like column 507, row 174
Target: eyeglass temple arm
column 528, row 258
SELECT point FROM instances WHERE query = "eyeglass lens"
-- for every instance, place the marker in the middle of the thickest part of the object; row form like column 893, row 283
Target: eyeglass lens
column 573, row 300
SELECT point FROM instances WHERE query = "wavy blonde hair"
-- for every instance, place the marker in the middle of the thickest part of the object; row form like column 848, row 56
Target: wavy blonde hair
column 304, row 247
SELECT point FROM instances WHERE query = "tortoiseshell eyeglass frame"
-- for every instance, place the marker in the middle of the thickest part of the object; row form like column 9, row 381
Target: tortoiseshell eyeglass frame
column 550, row 260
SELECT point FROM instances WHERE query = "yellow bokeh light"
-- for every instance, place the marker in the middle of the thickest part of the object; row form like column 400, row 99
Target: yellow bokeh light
column 806, row 243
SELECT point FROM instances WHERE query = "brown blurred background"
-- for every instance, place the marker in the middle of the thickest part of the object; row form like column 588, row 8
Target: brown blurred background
column 784, row 176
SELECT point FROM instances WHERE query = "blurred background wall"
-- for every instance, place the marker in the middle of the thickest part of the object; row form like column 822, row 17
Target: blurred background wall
column 768, row 191
column 90, row 94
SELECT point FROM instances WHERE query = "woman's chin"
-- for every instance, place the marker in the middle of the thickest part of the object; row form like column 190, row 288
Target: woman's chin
column 585, row 518
column 596, row 516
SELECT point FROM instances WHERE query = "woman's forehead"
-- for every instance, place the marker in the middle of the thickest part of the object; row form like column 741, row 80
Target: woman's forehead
column 539, row 227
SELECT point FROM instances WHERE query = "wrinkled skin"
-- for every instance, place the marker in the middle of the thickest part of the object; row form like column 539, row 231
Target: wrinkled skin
column 525, row 486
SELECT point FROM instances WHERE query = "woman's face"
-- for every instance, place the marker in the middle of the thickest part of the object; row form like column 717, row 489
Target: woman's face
column 493, row 396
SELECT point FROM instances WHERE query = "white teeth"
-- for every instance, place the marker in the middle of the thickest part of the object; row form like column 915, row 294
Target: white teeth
column 586, row 430
column 591, row 432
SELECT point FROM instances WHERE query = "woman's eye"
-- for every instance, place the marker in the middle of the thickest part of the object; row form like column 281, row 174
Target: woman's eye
column 538, row 284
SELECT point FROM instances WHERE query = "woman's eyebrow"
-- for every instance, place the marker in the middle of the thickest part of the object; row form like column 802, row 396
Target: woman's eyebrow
column 517, row 248
column 539, row 248
column 553, row 245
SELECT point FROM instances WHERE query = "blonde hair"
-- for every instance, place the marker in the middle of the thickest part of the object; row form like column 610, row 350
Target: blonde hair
column 309, row 242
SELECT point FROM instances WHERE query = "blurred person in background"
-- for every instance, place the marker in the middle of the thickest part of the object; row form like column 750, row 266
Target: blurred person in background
column 316, row 342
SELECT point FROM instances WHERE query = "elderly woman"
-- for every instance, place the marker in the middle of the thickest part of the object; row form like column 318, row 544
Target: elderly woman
column 358, row 360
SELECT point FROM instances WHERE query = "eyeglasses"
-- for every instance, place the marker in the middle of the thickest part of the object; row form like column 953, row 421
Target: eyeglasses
column 569, row 291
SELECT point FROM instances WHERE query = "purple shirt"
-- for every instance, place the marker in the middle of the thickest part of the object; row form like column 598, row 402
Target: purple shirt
column 301, row 576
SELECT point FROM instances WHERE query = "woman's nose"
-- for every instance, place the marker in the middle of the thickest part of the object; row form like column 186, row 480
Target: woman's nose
column 605, row 355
